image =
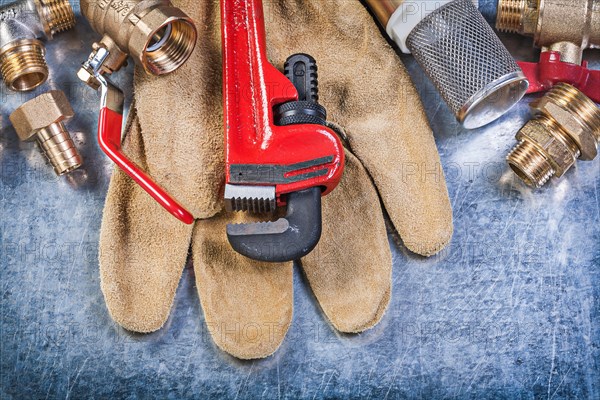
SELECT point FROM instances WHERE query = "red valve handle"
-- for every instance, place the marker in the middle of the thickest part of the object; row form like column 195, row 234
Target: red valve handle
column 551, row 70
column 109, row 138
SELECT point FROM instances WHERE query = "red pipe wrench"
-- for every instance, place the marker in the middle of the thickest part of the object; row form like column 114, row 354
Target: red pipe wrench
column 277, row 150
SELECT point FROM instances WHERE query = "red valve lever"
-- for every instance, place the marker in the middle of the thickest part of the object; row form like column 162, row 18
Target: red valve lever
column 109, row 138
column 551, row 70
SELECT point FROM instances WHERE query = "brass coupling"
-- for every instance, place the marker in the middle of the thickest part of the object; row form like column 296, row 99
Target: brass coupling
column 22, row 23
column 42, row 119
column 159, row 36
column 568, row 27
column 565, row 127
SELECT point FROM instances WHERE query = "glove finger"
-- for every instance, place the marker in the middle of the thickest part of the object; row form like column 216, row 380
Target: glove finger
column 350, row 269
column 366, row 89
column 182, row 119
column 247, row 304
column 143, row 250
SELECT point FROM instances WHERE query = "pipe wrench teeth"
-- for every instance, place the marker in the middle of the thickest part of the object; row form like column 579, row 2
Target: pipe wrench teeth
column 255, row 199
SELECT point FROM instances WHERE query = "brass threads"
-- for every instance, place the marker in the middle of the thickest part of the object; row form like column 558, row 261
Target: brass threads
column 568, row 27
column 565, row 127
column 23, row 23
column 175, row 50
column 157, row 35
column 42, row 119
column 58, row 15
column 23, row 66
column 530, row 164
column 510, row 15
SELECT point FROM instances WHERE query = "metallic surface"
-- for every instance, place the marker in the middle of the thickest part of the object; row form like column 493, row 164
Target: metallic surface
column 256, row 199
column 509, row 310
column 468, row 64
column 556, row 25
column 42, row 119
column 565, row 127
column 159, row 36
column 22, row 63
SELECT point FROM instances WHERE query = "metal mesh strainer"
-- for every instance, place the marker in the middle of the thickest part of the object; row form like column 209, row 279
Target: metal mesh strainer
column 468, row 64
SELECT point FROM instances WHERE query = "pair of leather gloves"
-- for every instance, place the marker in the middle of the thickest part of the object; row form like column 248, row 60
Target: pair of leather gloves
column 175, row 133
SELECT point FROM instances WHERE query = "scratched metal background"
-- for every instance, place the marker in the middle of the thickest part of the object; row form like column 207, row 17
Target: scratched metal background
column 510, row 310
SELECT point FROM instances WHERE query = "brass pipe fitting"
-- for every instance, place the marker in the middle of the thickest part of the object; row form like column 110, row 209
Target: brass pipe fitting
column 42, row 119
column 565, row 127
column 159, row 36
column 568, row 27
column 22, row 24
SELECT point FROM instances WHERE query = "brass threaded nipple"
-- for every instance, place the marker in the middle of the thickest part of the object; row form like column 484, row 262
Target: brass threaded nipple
column 530, row 164
column 566, row 127
column 23, row 66
column 58, row 14
column 510, row 15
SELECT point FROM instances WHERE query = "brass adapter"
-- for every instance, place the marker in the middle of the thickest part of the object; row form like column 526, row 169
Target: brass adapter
column 159, row 36
column 42, row 119
column 565, row 127
column 568, row 27
column 22, row 23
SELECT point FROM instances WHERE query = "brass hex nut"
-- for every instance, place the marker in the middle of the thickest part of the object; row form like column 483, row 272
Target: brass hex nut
column 572, row 122
column 40, row 112
column 554, row 149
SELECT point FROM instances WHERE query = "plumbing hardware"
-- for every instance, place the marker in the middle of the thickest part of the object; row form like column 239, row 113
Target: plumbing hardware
column 22, row 24
column 459, row 51
column 42, row 119
column 160, row 38
column 563, row 30
column 565, row 127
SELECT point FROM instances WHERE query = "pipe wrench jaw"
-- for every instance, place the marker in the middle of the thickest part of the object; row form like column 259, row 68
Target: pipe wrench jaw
column 288, row 238
column 110, row 123
column 299, row 186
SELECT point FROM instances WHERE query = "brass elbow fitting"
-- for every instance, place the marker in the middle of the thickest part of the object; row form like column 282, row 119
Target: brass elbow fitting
column 565, row 127
column 22, row 24
column 568, row 27
column 42, row 119
column 159, row 36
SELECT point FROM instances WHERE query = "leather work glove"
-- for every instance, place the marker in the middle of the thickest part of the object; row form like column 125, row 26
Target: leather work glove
column 175, row 133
